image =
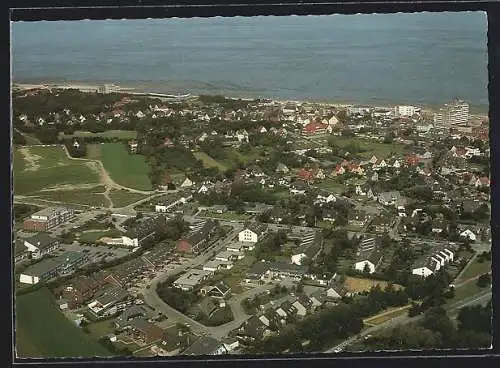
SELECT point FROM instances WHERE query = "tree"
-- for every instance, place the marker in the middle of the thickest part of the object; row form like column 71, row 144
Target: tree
column 484, row 280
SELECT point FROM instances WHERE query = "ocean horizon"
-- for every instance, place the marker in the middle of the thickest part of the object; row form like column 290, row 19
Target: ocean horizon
column 413, row 58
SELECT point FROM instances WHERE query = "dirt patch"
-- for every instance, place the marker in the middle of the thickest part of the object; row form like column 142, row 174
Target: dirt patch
column 357, row 284
column 31, row 159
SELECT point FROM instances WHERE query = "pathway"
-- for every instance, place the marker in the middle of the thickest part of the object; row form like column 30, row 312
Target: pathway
column 106, row 180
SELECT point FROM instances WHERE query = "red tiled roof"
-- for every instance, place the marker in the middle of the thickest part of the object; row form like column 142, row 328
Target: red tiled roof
column 314, row 126
column 305, row 174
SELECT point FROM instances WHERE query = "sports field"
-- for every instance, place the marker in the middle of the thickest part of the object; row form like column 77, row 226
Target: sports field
column 43, row 331
column 129, row 170
column 37, row 168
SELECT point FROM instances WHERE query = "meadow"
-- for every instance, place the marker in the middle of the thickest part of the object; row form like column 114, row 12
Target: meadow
column 53, row 335
column 370, row 147
column 209, row 161
column 129, row 170
column 37, row 168
column 122, row 198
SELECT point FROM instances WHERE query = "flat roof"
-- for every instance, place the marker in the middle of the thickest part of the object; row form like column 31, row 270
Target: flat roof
column 50, row 211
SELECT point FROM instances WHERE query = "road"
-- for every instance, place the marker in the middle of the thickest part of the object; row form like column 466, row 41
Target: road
column 152, row 298
column 480, row 298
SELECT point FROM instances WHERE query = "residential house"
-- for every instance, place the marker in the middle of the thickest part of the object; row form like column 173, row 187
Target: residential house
column 306, row 175
column 109, row 301
column 240, row 247
column 389, row 198
column 219, row 290
column 257, row 272
column 132, row 146
column 20, row 251
column 206, row 345
column 145, row 331
column 314, row 128
column 357, row 218
column 468, row 234
column 339, row 170
column 381, row 224
column 303, row 305
column 282, row 169
column 286, row 310
column 368, row 260
column 123, row 321
column 320, row 199
column 252, row 329
column 335, row 288
column 425, row 266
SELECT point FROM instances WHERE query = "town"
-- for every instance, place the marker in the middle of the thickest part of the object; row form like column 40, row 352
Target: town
column 206, row 225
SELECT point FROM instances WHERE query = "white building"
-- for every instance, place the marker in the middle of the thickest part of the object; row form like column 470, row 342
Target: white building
column 404, row 110
column 252, row 233
column 468, row 234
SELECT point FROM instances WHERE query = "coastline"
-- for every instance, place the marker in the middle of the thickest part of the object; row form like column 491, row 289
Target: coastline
column 147, row 88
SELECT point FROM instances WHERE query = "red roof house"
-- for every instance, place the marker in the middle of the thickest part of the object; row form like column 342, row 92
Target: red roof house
column 314, row 128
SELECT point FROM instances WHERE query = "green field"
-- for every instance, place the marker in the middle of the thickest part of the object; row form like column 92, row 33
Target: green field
column 331, row 186
column 90, row 197
column 43, row 331
column 129, row 170
column 122, row 198
column 475, row 268
column 369, row 147
column 466, row 290
column 93, row 236
column 209, row 161
column 119, row 134
column 37, row 168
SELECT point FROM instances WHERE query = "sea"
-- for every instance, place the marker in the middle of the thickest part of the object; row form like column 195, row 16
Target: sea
column 403, row 58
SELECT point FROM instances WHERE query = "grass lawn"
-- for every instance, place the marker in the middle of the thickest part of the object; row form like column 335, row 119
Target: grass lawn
column 235, row 156
column 53, row 335
column 209, row 161
column 92, row 236
column 386, row 315
column 91, row 197
column 120, row 134
column 129, row 170
column 100, row 329
column 331, row 186
column 369, row 147
column 465, row 291
column 474, row 269
column 358, row 284
column 122, row 198
column 37, row 168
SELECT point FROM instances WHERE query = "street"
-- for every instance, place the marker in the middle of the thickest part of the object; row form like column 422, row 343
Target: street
column 480, row 298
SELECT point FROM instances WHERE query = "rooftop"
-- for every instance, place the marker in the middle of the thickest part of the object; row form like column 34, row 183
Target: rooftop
column 203, row 346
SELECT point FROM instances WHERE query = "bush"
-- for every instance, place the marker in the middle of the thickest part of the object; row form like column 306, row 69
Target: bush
column 484, row 280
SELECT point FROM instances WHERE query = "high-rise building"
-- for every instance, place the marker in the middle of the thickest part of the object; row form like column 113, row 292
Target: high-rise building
column 453, row 113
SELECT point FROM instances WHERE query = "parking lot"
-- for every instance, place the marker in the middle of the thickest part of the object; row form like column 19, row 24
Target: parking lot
column 96, row 253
